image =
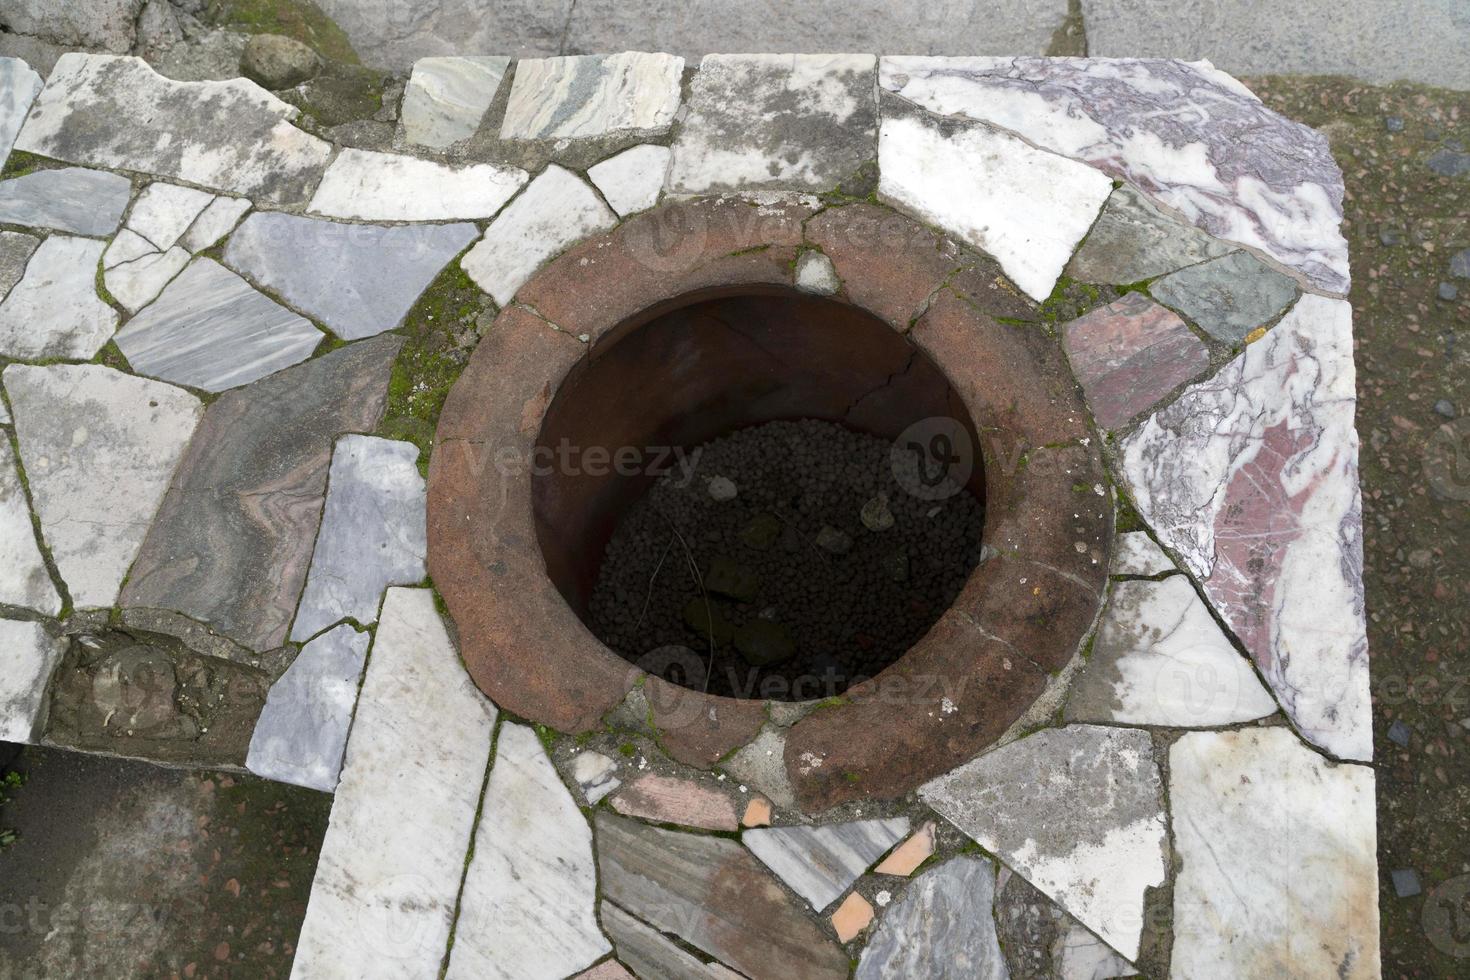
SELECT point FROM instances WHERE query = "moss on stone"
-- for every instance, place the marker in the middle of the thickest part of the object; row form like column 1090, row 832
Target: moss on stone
column 299, row 19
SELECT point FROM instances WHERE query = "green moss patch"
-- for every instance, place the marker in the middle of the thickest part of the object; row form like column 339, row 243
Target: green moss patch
column 298, row 19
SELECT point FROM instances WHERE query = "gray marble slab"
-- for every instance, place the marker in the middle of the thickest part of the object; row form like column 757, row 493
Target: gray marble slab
column 28, row 656
column 593, row 95
column 71, row 199
column 446, row 97
column 54, row 311
column 1229, row 296
column 820, row 863
column 16, row 250
column 1134, row 240
column 18, row 87
column 941, row 929
column 24, row 580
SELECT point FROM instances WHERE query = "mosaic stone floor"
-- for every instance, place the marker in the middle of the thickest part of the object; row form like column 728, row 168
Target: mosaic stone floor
column 216, row 556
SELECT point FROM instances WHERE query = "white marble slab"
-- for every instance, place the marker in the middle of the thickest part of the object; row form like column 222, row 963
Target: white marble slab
column 631, row 180
column 70, row 199
column 215, row 222
column 446, row 98
column 391, row 864
column 1135, row 553
column 19, row 85
column 596, row 775
column 24, row 580
column 1279, row 851
column 54, row 311
column 375, row 186
column 820, row 863
column 16, row 249
column 592, row 95
column 28, row 656
column 163, row 212
column 137, row 282
column 1026, row 207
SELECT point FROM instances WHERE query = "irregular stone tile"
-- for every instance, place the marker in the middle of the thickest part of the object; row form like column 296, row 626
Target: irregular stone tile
column 163, row 212
column 1228, row 297
column 232, row 136
column 1129, row 354
column 1078, row 811
column 557, row 210
column 594, row 773
column 802, row 122
column 391, row 864
column 757, row 813
column 820, row 863
column 210, row 329
column 54, row 310
column 214, row 222
column 1026, row 207
column 1133, row 240
column 907, row 857
column 1251, row 477
column 18, row 88
column 1280, row 876
column 528, row 909
column 372, row 533
column 303, row 729
column 445, row 98
column 24, row 580
column 762, row 764
column 606, row 970
column 942, row 928
column 666, row 799
column 851, row 918
column 655, row 958
column 29, row 656
column 592, row 95
column 713, row 895
column 72, row 199
column 1080, row 955
column 233, row 539
column 1135, row 553
column 99, row 448
column 108, row 24
column 136, row 282
column 1193, row 137
column 632, row 180
column 16, row 250
column 359, row 280
column 1160, row 659
column 390, row 187
column 816, row 274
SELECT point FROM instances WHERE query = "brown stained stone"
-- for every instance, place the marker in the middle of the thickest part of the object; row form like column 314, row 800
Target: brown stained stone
column 667, row 799
column 757, row 813
column 699, row 730
column 713, row 895
column 1055, row 510
column 606, row 970
column 1130, row 354
column 983, row 285
column 1036, row 611
column 852, row 917
column 913, row 852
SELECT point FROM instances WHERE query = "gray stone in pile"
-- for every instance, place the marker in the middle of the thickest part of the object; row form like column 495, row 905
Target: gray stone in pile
column 943, row 928
column 54, row 310
column 359, row 280
column 1229, row 296
column 1133, row 240
column 28, row 656
column 446, row 97
column 15, row 251
column 209, row 329
column 73, row 199
column 18, row 88
column 232, row 542
column 820, row 863
column 650, row 955
column 302, row 730
column 372, row 534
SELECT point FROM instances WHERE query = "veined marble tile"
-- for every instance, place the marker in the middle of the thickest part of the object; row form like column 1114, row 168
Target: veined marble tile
column 115, row 111
column 24, row 580
column 528, row 910
column 557, row 210
column 28, row 656
column 1026, row 207
column 16, row 250
column 302, row 731
column 1161, row 659
column 214, row 222
column 820, row 863
column 18, row 88
column 1252, row 478
column 1079, row 955
column 54, row 310
column 1187, row 135
column 943, row 928
column 391, row 864
column 596, row 774
column 1078, row 812
column 163, row 212
column 71, row 199
column 1228, row 297
column 372, row 533
column 1133, row 240
column 99, row 448
column 390, row 187
column 137, row 282
column 446, row 98
column 1135, row 553
column 631, row 181
column 592, row 95
column 1280, row 875
column 210, row 329
column 652, row 955
column 359, row 280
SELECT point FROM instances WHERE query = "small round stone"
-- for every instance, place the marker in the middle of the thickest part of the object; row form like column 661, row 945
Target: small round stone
column 723, row 488
column 1446, row 408
column 1448, row 292
column 278, row 62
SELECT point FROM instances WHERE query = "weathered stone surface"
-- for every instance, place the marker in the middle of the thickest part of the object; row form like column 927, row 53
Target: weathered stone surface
column 1079, row 811
column 72, row 199
column 231, row 136
column 1133, row 240
column 1135, row 553
column 557, row 210
column 1251, row 478
column 30, row 655
column 164, row 212
column 24, row 580
column 278, row 62
column 1080, row 955
column 1129, row 354
column 389, row 34
column 1280, row 875
column 528, row 909
column 210, row 329
column 214, row 222
column 372, row 533
column 653, row 956
column 232, row 541
column 816, row 274
column 1160, row 659
column 775, row 122
column 668, row 799
column 16, row 250
column 607, row 969
column 820, row 863
column 391, row 864
column 913, row 852
column 593, row 95
column 302, row 731
column 18, row 87
column 107, row 24
column 135, row 281
column 359, row 280
column 762, row 764
column 1229, row 296
column 941, row 928
column 1026, row 207
column 446, row 97
column 710, row 893
column 596, row 774
column 99, row 448
column 390, row 187
column 54, row 310
column 632, row 180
